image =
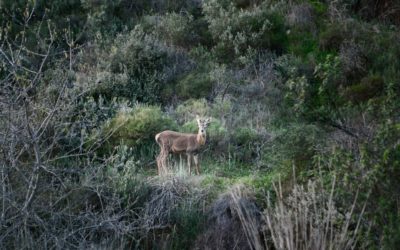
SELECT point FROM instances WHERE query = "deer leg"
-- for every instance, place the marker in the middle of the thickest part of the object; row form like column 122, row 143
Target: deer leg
column 196, row 163
column 189, row 156
column 162, row 161
column 159, row 162
column 165, row 162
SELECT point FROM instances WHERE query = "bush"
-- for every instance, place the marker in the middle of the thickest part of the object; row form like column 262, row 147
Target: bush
column 142, row 59
column 239, row 31
column 174, row 28
column 384, row 62
column 301, row 16
column 244, row 142
column 368, row 88
column 297, row 88
column 296, row 143
column 124, row 177
column 196, row 84
column 353, row 60
column 222, row 109
column 139, row 68
column 188, row 109
column 303, row 44
column 181, row 30
column 332, row 37
column 136, row 127
column 173, row 214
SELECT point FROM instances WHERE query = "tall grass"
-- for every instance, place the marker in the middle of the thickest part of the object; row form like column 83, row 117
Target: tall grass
column 309, row 219
column 248, row 216
column 304, row 218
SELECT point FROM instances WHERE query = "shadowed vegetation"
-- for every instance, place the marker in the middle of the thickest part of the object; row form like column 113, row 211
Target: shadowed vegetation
column 302, row 151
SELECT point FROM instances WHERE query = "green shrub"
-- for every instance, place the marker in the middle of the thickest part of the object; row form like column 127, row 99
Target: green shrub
column 180, row 29
column 332, row 37
column 243, row 144
column 175, row 28
column 124, row 178
column 190, row 221
column 296, row 143
column 296, row 87
column 113, row 15
column 138, row 69
column 374, row 171
column 302, row 43
column 142, row 58
column 243, row 136
column 237, row 31
column 390, row 239
column 188, row 109
column 136, row 127
column 368, row 88
column 222, row 109
column 383, row 61
column 196, row 84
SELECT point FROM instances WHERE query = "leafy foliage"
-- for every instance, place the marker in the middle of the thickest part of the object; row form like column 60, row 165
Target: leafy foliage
column 297, row 91
column 136, row 127
column 238, row 32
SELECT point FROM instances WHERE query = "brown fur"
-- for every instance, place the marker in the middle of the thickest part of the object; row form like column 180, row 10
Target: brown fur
column 177, row 142
column 181, row 143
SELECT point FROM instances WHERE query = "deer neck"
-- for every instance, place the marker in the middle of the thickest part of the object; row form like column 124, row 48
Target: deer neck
column 201, row 138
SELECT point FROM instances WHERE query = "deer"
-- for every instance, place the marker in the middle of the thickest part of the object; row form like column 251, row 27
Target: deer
column 181, row 143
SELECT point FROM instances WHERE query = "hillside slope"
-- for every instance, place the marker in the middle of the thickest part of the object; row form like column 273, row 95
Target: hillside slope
column 303, row 151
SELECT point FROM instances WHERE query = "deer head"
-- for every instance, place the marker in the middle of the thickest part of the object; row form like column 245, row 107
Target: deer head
column 202, row 124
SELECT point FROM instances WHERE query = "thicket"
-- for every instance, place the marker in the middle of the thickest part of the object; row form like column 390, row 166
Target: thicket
column 303, row 95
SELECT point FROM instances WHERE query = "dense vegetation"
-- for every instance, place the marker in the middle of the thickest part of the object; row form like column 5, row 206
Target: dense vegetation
column 303, row 151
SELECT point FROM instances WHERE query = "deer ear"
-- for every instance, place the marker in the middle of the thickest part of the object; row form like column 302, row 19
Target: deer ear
column 198, row 118
column 208, row 120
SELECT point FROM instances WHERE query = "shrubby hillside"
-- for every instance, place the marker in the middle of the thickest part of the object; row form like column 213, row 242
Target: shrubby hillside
column 303, row 151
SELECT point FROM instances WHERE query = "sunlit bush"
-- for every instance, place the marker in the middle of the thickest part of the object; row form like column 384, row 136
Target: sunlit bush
column 136, row 127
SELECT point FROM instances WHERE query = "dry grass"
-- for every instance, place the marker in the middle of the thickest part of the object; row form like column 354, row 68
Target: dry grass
column 172, row 201
column 234, row 222
column 301, row 16
column 309, row 219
